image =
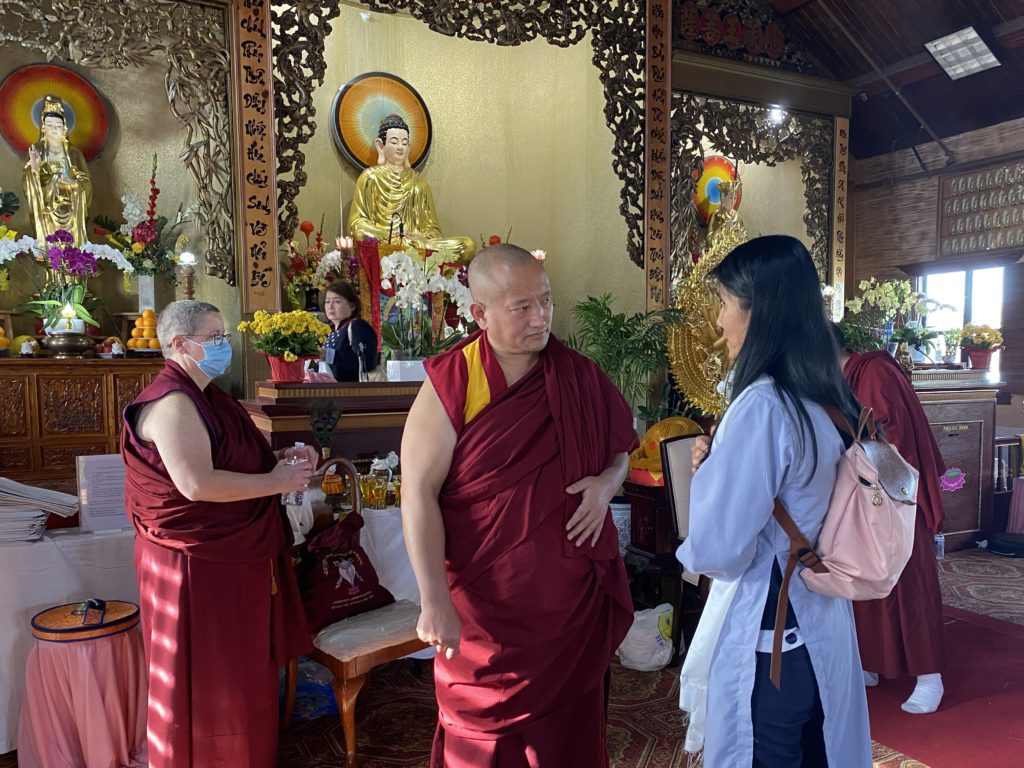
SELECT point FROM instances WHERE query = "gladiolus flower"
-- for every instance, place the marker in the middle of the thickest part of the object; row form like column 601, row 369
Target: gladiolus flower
column 306, row 228
column 493, row 240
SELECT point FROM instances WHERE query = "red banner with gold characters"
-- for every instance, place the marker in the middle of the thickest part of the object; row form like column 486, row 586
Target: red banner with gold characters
column 257, row 187
column 657, row 155
column 840, row 219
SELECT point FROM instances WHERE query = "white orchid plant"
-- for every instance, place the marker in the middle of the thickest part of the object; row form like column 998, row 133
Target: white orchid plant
column 424, row 285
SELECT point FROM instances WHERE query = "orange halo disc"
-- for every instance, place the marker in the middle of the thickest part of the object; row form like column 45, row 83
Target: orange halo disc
column 21, row 102
column 707, row 196
column 366, row 100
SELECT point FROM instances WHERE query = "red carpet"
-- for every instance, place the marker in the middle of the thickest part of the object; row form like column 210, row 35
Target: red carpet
column 980, row 722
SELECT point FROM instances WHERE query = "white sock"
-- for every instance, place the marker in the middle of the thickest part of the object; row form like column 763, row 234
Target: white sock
column 870, row 679
column 926, row 696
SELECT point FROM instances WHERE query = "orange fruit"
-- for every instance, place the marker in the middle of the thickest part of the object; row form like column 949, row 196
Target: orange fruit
column 5, row 343
column 149, row 333
column 148, row 322
column 148, row 313
column 131, row 343
column 154, row 343
column 137, row 333
column 2, row 331
column 138, row 322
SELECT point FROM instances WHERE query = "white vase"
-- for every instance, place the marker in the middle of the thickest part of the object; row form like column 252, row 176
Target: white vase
column 406, row 370
column 76, row 325
column 147, row 292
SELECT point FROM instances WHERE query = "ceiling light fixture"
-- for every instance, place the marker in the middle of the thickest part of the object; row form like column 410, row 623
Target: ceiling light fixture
column 962, row 53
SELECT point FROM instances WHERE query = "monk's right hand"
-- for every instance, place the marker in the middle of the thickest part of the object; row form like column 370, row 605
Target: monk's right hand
column 291, row 477
column 441, row 627
column 34, row 158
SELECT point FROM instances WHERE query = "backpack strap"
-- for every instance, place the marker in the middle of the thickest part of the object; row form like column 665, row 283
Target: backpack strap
column 866, row 423
column 800, row 549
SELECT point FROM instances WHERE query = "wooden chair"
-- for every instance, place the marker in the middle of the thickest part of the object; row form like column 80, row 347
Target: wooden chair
column 352, row 647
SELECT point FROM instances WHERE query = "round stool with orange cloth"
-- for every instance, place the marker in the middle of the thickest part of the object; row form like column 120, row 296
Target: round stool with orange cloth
column 85, row 689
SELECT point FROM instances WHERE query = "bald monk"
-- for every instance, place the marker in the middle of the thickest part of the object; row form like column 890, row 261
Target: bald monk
column 512, row 451
column 220, row 607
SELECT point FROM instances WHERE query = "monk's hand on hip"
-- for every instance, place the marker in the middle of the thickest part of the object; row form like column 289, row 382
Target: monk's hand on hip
column 440, row 626
column 588, row 520
column 289, row 477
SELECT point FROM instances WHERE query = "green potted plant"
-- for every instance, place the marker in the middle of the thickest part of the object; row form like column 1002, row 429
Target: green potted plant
column 951, row 355
column 630, row 349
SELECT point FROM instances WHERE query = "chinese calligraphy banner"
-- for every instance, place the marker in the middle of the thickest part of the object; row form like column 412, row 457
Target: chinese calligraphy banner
column 257, row 186
column 657, row 167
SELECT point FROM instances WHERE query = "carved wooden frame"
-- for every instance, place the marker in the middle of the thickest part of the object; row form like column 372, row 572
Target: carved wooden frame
column 747, row 133
column 196, row 38
column 617, row 31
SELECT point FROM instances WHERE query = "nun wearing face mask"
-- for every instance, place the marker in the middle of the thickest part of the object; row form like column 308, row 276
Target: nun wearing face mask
column 219, row 603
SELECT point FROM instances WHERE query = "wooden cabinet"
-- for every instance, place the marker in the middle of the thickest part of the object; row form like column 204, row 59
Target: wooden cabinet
column 52, row 411
column 368, row 418
column 963, row 422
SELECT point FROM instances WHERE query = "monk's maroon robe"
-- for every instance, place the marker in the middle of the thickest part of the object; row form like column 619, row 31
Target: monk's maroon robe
column 901, row 634
column 541, row 618
column 220, row 607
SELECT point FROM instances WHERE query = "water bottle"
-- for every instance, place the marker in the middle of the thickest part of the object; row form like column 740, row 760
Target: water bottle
column 940, row 547
column 295, row 498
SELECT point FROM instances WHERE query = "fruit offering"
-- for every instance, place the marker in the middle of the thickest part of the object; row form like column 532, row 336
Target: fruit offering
column 5, row 343
column 107, row 345
column 144, row 333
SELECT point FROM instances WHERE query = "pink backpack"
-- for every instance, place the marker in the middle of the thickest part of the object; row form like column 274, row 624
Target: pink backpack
column 868, row 532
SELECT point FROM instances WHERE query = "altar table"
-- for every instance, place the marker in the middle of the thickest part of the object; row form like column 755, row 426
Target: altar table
column 65, row 566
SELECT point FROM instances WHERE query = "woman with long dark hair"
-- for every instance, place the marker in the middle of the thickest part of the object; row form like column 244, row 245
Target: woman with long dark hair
column 775, row 441
column 352, row 337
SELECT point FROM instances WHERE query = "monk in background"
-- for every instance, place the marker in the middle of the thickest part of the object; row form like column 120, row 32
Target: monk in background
column 220, row 607
column 901, row 635
column 512, row 451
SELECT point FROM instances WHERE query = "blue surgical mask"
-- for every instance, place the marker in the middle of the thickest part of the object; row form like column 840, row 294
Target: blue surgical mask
column 217, row 359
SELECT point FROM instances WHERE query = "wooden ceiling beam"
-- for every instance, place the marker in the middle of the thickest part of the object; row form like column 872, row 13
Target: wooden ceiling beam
column 788, row 6
column 1009, row 35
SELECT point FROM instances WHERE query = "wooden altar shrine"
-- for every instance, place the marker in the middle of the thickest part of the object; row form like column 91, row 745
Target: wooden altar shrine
column 369, row 417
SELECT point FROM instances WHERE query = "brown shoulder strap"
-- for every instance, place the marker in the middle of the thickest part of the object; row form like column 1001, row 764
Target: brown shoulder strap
column 800, row 549
column 866, row 423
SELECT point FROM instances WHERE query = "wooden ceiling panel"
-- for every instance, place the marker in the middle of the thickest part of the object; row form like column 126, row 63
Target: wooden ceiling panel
column 892, row 34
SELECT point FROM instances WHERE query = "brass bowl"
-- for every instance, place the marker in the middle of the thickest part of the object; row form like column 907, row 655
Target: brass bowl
column 65, row 345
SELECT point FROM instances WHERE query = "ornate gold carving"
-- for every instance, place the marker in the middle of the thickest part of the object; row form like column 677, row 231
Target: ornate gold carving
column 746, row 132
column 299, row 68
column 696, row 349
column 14, row 459
column 13, row 407
column 130, row 33
column 72, row 405
column 61, row 457
column 617, row 34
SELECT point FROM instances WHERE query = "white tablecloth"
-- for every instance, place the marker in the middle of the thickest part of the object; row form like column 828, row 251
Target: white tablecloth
column 65, row 566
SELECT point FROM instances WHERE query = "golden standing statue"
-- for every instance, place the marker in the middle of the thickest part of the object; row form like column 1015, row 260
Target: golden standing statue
column 697, row 349
column 392, row 200
column 56, row 179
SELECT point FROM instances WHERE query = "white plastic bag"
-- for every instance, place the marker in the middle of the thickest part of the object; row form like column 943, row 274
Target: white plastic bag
column 648, row 644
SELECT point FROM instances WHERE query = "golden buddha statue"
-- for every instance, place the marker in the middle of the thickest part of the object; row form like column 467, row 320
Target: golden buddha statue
column 392, row 201
column 56, row 179
column 697, row 348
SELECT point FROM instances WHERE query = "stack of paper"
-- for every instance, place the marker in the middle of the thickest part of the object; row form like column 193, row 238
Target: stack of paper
column 23, row 510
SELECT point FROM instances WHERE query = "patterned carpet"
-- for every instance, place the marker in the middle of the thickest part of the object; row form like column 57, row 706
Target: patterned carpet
column 397, row 712
column 975, row 580
column 396, row 717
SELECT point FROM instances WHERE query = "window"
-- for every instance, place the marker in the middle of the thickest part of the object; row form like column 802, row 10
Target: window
column 975, row 295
